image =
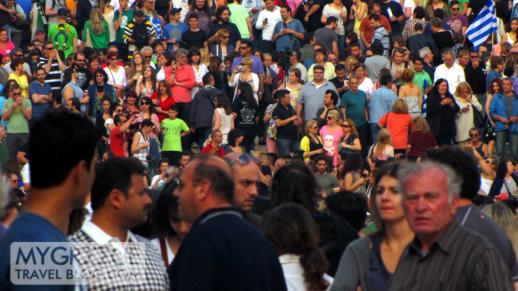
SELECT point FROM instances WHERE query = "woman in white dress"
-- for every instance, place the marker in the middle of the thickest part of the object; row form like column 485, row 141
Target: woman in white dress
column 223, row 118
column 464, row 118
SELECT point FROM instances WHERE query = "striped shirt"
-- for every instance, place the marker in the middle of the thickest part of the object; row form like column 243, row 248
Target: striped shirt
column 54, row 75
column 460, row 260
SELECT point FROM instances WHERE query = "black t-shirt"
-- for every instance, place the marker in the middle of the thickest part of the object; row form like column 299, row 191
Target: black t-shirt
column 194, row 39
column 314, row 21
column 443, row 39
column 396, row 10
column 288, row 131
column 246, row 116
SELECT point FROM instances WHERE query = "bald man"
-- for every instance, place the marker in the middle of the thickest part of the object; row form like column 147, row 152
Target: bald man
column 222, row 251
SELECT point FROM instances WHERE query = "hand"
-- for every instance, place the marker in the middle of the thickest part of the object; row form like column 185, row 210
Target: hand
column 445, row 101
column 343, row 14
column 504, row 120
column 254, row 10
column 393, row 18
column 514, row 119
column 145, row 145
column 193, row 129
column 321, row 151
column 306, row 19
column 86, row 99
column 465, row 109
column 265, row 21
column 130, row 40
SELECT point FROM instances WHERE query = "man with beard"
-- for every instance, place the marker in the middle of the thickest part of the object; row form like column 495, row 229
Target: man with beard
column 119, row 202
column 223, row 16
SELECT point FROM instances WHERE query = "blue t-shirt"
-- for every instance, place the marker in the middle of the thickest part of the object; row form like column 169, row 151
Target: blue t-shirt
column 288, row 41
column 27, row 227
column 381, row 102
column 175, row 31
column 38, row 109
column 355, row 104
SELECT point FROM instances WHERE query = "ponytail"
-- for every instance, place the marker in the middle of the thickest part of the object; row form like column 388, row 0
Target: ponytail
column 314, row 263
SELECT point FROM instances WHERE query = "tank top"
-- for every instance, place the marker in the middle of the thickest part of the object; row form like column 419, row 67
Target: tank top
column 109, row 18
column 226, row 123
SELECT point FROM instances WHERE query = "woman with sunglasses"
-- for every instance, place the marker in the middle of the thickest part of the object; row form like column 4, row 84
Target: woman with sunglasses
column 244, row 74
column 147, row 111
column 332, row 134
column 116, row 74
column 311, row 144
column 351, row 141
column 222, row 47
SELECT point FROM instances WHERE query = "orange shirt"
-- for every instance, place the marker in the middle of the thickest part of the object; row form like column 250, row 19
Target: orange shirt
column 399, row 126
column 368, row 32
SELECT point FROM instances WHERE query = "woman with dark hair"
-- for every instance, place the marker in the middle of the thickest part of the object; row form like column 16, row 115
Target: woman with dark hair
column 163, row 99
column 100, row 121
column 200, row 69
column 505, row 181
column 167, row 225
column 294, row 234
column 245, row 109
column 218, row 71
column 295, row 183
column 235, row 139
column 495, row 87
column 131, row 104
column 147, row 111
column 355, row 178
column 223, row 119
column 98, row 90
column 441, row 110
column 146, row 82
column 371, row 261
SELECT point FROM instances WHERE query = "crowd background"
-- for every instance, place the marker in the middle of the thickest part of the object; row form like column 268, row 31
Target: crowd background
column 318, row 95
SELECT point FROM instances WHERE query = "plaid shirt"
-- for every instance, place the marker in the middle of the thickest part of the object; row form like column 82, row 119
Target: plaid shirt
column 142, row 265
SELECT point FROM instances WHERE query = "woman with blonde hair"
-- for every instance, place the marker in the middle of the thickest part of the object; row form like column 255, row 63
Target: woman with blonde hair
column 351, row 143
column 311, row 144
column 506, row 219
column 398, row 122
column 222, row 48
column 95, row 32
column 464, row 119
column 420, row 139
column 382, row 150
column 411, row 93
column 332, row 134
column 243, row 74
column 136, row 69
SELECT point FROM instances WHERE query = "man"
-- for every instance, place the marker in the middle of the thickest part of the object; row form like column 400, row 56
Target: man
column 240, row 17
column 375, row 63
column 421, row 77
column 63, row 35
column 311, row 97
column 428, row 60
column 173, row 30
column 63, row 157
column 213, row 255
column 340, row 80
column 380, row 104
column 356, row 51
column 354, row 106
column 381, row 34
column 82, row 70
column 327, row 37
column 331, row 99
column 286, row 123
column 17, row 112
column 420, row 40
column 449, row 70
column 223, row 15
column 287, row 33
column 443, row 255
column 266, row 21
column 475, row 75
column 14, row 205
column 394, row 12
column 185, row 158
column 309, row 12
column 296, row 64
column 466, row 165
column 194, row 37
column 325, row 180
column 119, row 201
column 214, row 146
column 121, row 18
column 367, row 31
column 40, row 94
column 443, row 38
column 118, row 140
column 202, row 109
column 54, row 66
column 457, row 21
column 138, row 33
column 152, row 16
column 503, row 111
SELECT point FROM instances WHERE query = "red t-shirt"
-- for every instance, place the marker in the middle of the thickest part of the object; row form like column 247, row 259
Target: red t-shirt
column 399, row 126
column 118, row 143
column 209, row 149
column 164, row 105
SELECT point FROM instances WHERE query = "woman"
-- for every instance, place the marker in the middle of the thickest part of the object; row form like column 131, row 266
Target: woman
column 332, row 134
column 116, row 74
column 358, row 13
column 337, row 9
column 100, row 121
column 201, row 9
column 199, row 68
column 495, row 87
column 140, row 144
column 162, row 100
column 246, row 114
column 136, row 69
column 223, row 118
column 320, row 59
column 99, row 89
column 235, row 139
column 163, row 61
column 441, row 110
column 371, row 261
column 180, row 76
column 108, row 14
column 6, row 45
column 420, row 139
column 505, row 181
column 20, row 76
column 411, row 93
column 506, row 219
column 311, row 144
column 147, row 111
column 464, row 120
column 91, row 67
column 398, row 122
column 294, row 85
column 243, row 74
column 131, row 105
column 168, row 227
column 512, row 36
column 382, row 150
column 475, row 142
column 294, row 233
column 222, row 48
column 72, row 90
column 146, row 83
column 487, row 175
column 96, row 31
column 218, row 71
column 351, row 142
column 432, row 5
column 354, row 178
column 366, row 84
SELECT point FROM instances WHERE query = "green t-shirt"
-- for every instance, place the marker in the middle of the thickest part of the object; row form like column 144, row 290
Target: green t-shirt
column 172, row 128
column 99, row 41
column 62, row 36
column 238, row 15
column 127, row 16
column 420, row 78
column 17, row 122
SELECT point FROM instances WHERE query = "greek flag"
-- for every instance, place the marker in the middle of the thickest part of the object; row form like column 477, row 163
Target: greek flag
column 483, row 25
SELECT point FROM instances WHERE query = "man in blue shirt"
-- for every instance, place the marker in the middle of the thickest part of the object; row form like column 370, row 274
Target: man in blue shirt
column 354, row 106
column 381, row 103
column 287, row 33
column 63, row 156
column 40, row 94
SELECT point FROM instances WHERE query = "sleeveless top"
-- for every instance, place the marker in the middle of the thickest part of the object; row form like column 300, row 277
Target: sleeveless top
column 226, row 123
column 413, row 106
column 313, row 146
column 485, row 186
column 509, row 40
column 109, row 18
column 142, row 153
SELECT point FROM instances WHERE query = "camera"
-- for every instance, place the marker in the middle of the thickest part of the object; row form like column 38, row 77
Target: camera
column 240, row 68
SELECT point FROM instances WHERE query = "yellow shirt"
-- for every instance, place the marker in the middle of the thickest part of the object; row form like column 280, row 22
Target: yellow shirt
column 22, row 81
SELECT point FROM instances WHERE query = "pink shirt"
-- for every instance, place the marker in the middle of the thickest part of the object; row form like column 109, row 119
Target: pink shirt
column 185, row 75
column 332, row 139
column 7, row 49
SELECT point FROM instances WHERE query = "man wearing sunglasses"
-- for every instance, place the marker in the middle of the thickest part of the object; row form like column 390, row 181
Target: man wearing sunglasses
column 18, row 112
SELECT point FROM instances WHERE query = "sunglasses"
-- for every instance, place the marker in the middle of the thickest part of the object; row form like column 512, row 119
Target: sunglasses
column 145, row 103
column 243, row 47
column 330, row 117
column 49, row 48
column 243, row 159
column 346, row 125
column 80, row 60
column 225, row 37
column 17, row 94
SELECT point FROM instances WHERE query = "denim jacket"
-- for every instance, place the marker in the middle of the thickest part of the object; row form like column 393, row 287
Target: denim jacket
column 497, row 107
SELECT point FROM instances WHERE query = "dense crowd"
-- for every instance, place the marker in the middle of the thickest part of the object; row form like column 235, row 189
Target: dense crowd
column 263, row 144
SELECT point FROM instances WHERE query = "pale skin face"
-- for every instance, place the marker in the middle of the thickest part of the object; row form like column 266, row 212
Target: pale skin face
column 389, row 201
column 353, row 84
column 507, row 86
column 138, row 201
column 448, row 60
column 443, row 88
column 318, row 75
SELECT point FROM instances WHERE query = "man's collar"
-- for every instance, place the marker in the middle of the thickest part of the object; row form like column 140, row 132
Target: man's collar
column 100, row 236
column 445, row 241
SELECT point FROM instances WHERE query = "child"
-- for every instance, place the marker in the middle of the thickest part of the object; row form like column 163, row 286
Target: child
column 173, row 31
column 174, row 129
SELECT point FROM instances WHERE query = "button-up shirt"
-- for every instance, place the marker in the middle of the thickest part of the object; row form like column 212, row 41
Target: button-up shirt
column 459, row 260
column 454, row 75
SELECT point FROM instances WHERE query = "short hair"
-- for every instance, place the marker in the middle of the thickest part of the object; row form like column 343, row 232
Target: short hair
column 287, row 7
column 15, row 62
column 173, row 107
column 281, row 93
column 57, row 143
column 334, row 95
column 165, row 209
column 461, row 162
column 418, row 27
column 318, row 67
column 407, row 75
column 419, row 12
column 350, row 206
column 221, row 181
column 400, row 106
column 193, row 16
column 339, row 67
column 214, row 132
column 114, row 173
column 331, row 19
column 207, row 78
column 310, row 123
column 447, row 51
column 385, row 79
column 374, row 17
column 453, row 180
column 495, row 61
column 377, row 48
column 423, row 52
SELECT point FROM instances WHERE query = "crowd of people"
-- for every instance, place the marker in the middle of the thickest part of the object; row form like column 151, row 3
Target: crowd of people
column 264, row 145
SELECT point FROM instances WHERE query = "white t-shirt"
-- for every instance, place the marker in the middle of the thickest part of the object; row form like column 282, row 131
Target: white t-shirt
column 273, row 17
column 116, row 78
column 294, row 274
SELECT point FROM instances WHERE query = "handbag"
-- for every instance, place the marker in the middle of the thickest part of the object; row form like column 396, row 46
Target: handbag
column 479, row 118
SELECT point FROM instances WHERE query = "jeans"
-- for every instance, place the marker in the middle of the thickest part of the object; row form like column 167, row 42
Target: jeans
column 375, row 128
column 501, row 138
column 287, row 145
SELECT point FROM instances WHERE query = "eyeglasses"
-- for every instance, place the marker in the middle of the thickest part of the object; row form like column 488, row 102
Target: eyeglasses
column 314, row 127
column 225, row 37
column 80, row 60
column 330, row 117
column 17, row 94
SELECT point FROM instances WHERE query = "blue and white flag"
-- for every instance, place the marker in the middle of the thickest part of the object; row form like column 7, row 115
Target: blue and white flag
column 483, row 25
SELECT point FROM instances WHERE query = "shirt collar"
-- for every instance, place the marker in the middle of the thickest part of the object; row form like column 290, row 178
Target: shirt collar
column 100, row 236
column 445, row 242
